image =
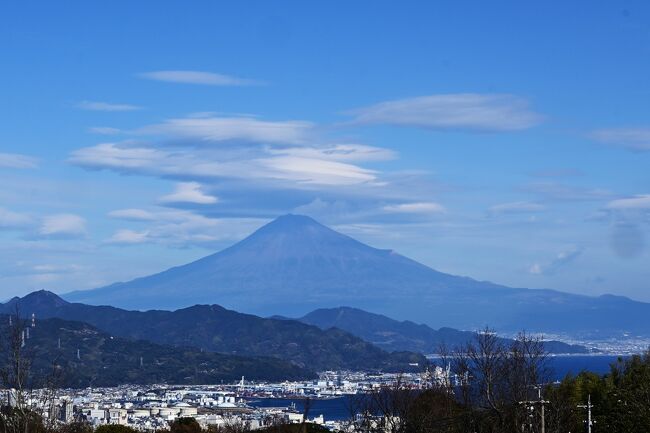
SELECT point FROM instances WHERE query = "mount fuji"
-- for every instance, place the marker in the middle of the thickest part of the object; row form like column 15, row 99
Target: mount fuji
column 294, row 265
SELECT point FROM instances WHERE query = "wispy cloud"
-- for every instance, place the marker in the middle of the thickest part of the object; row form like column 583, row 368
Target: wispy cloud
column 259, row 168
column 179, row 228
column 132, row 215
column 249, row 129
column 418, row 208
column 340, row 152
column 639, row 202
column 129, row 237
column 42, row 272
column 49, row 268
column 198, row 77
column 555, row 191
column 189, row 192
column 13, row 220
column 262, row 164
column 516, row 207
column 321, row 209
column 637, row 139
column 15, row 160
column 104, row 130
column 106, row 106
column 461, row 111
column 63, row 225
column 313, row 171
column 561, row 260
column 281, row 154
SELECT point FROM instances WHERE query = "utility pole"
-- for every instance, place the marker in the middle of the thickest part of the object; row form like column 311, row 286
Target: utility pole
column 531, row 404
column 542, row 403
column 588, row 406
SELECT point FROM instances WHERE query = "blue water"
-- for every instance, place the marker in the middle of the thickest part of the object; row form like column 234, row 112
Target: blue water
column 562, row 365
column 574, row 364
column 339, row 408
column 333, row 409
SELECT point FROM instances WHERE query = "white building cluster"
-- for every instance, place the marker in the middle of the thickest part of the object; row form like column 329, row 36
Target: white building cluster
column 153, row 407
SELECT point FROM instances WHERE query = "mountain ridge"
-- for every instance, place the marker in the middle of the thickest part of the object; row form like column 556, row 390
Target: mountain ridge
column 393, row 335
column 217, row 329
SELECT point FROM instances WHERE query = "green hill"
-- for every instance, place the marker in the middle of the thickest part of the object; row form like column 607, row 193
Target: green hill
column 216, row 329
column 106, row 360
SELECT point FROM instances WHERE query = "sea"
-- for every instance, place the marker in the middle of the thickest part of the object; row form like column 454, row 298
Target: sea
column 337, row 409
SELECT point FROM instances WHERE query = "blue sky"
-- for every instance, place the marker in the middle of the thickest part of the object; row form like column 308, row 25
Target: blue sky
column 507, row 142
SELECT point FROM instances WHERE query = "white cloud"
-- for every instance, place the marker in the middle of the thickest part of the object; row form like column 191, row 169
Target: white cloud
column 282, row 154
column 314, row 171
column 9, row 219
column 132, row 215
column 104, row 130
column 461, row 111
column 160, row 215
column 15, row 160
column 420, row 208
column 182, row 228
column 319, row 208
column 516, row 207
column 639, row 202
column 198, row 77
column 214, row 129
column 116, row 156
column 42, row 275
column 263, row 164
column 49, row 268
column 106, row 106
column 561, row 260
column 630, row 138
column 535, row 269
column 66, row 225
column 129, row 237
column 43, row 272
column 188, row 192
column 340, row 152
